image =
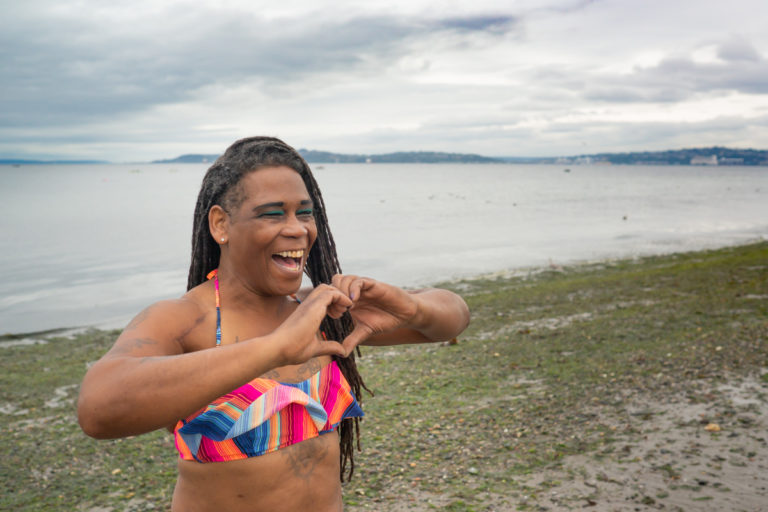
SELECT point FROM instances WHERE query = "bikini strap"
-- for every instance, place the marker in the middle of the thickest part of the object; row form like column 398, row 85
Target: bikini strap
column 214, row 274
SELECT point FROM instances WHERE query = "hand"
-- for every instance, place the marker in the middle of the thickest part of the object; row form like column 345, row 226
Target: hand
column 299, row 330
column 377, row 307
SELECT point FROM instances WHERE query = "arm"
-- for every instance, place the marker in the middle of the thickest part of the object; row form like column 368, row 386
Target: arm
column 441, row 315
column 388, row 315
column 146, row 381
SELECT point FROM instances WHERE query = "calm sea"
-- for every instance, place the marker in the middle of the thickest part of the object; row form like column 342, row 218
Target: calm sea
column 94, row 244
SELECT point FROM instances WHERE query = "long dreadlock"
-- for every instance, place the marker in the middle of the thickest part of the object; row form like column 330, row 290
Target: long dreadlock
column 222, row 186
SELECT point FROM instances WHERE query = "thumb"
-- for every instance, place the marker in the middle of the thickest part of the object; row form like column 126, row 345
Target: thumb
column 332, row 348
column 356, row 337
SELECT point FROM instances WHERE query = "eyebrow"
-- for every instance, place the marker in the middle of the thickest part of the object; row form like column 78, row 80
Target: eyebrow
column 269, row 205
column 303, row 202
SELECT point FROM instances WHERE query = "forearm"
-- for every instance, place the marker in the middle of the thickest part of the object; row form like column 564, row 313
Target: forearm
column 126, row 395
column 441, row 315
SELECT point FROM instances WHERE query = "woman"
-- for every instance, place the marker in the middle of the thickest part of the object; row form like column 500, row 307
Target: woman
column 258, row 385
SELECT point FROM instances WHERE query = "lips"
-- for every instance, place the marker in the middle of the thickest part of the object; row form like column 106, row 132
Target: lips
column 290, row 260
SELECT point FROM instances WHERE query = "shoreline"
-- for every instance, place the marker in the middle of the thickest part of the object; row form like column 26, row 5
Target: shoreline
column 32, row 337
column 586, row 262
column 478, row 223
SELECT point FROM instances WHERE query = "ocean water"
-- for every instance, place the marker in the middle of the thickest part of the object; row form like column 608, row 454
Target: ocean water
column 94, row 244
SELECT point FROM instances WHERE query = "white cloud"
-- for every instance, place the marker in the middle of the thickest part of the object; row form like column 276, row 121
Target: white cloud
column 145, row 80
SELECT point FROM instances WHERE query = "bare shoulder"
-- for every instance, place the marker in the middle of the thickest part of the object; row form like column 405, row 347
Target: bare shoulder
column 164, row 328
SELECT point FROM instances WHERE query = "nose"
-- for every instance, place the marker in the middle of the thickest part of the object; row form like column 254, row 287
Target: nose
column 294, row 227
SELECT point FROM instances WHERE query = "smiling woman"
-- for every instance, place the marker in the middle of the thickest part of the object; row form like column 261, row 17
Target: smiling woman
column 255, row 377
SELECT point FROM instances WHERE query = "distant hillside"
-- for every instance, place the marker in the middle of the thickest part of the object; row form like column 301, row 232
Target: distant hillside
column 429, row 157
column 325, row 157
column 715, row 155
column 694, row 156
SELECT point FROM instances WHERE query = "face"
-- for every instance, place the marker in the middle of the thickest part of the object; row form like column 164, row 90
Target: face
column 271, row 232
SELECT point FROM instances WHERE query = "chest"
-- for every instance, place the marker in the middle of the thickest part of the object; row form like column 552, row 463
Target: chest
column 238, row 328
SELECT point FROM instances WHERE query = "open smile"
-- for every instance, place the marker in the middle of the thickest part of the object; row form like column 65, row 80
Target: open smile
column 290, row 260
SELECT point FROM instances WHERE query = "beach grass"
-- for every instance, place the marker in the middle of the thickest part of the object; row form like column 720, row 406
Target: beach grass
column 544, row 372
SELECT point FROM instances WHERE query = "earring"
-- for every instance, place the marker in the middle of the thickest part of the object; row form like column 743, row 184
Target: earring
column 223, row 239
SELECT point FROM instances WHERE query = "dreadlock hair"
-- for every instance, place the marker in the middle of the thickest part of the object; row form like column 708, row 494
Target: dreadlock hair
column 222, row 186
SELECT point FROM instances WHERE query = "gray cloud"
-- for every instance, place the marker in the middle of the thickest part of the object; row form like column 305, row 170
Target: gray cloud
column 86, row 69
column 675, row 79
column 497, row 24
column 738, row 49
column 748, row 76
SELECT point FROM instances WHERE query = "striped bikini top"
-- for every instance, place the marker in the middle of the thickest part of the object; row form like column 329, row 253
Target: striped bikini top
column 265, row 415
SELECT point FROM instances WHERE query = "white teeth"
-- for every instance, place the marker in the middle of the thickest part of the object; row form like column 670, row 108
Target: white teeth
column 292, row 254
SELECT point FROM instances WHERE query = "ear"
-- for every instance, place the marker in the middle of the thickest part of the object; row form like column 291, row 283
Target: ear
column 218, row 224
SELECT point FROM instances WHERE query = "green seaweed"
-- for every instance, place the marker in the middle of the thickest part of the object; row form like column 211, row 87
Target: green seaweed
column 451, row 425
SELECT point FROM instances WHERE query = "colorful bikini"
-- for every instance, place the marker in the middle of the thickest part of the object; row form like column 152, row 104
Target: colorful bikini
column 265, row 415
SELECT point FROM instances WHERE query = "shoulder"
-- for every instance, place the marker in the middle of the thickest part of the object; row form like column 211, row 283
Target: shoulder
column 172, row 326
column 172, row 313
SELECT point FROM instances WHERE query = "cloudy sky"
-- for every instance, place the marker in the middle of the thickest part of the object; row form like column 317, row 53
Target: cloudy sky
column 141, row 80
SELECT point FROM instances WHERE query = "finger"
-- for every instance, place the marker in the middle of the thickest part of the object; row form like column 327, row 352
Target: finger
column 356, row 337
column 329, row 295
column 315, row 292
column 342, row 282
column 332, row 348
column 338, row 305
column 337, row 280
column 359, row 286
column 340, row 300
column 337, row 309
column 323, row 301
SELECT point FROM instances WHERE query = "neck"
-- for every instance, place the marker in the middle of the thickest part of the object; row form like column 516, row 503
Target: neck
column 237, row 294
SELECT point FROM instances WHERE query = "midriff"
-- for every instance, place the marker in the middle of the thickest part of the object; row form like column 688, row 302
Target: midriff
column 303, row 476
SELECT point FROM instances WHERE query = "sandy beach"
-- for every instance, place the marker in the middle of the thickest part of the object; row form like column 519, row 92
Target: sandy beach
column 670, row 455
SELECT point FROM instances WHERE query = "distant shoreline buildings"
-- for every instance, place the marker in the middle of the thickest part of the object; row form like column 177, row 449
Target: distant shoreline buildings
column 695, row 156
column 704, row 160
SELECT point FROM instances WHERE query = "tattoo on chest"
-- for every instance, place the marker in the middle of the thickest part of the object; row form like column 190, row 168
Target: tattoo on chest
column 304, row 457
column 303, row 372
column 308, row 369
column 271, row 374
